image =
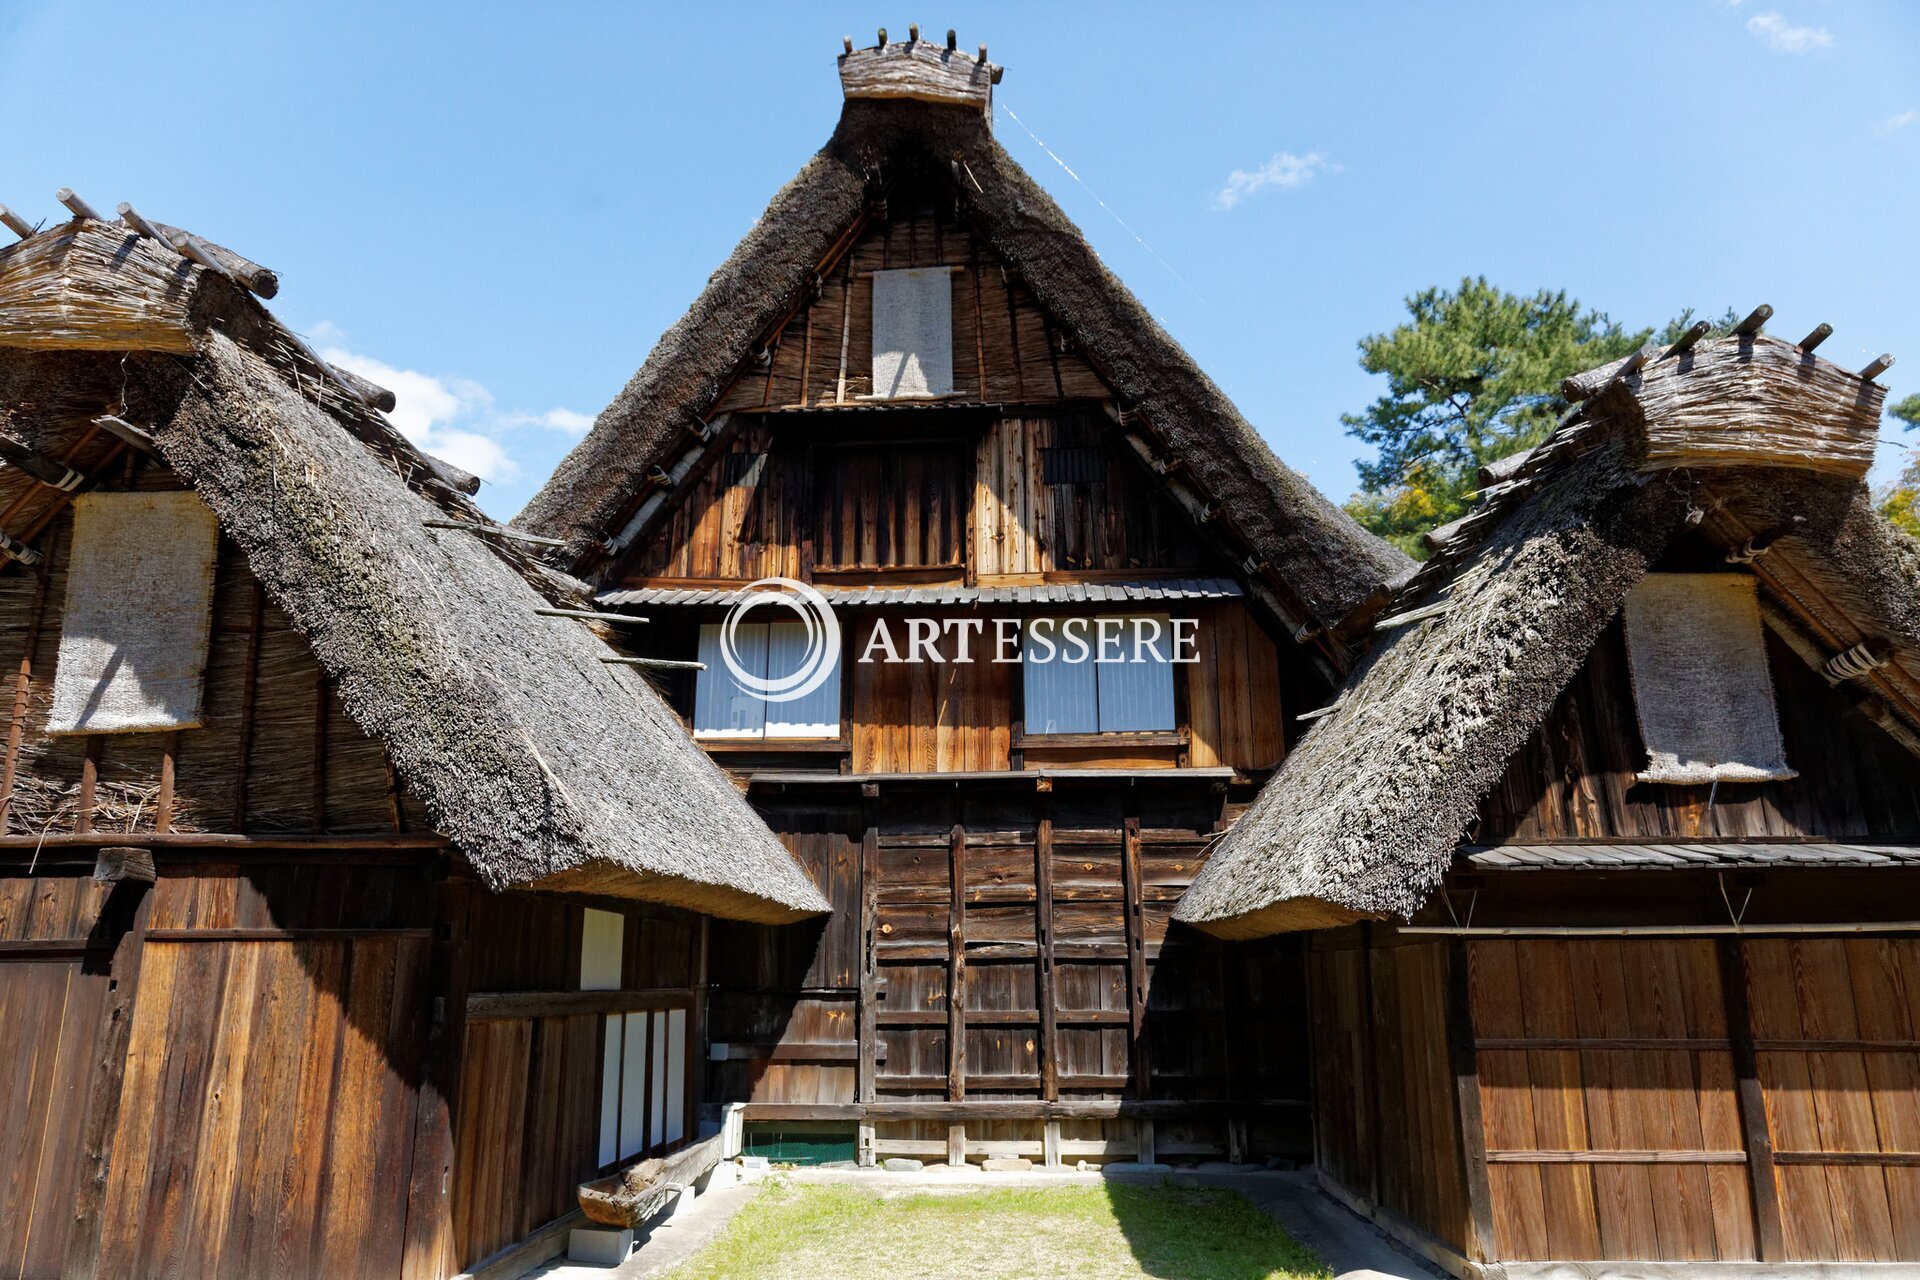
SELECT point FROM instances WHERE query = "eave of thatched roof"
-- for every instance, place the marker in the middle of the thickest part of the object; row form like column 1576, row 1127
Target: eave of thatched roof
column 1364, row 818
column 545, row 766
column 1323, row 559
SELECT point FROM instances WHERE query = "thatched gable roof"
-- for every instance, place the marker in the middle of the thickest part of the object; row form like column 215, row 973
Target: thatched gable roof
column 1313, row 553
column 1754, row 440
column 546, row 766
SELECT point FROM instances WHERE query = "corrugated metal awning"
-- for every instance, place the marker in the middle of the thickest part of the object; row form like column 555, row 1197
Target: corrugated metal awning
column 1679, row 857
column 1144, row 591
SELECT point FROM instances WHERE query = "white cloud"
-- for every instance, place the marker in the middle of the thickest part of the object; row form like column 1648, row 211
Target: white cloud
column 1285, row 171
column 1782, row 36
column 1900, row 121
column 450, row 417
column 566, row 421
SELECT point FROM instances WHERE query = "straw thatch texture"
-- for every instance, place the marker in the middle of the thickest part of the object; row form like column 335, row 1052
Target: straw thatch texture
column 96, row 286
column 543, row 764
column 1363, row 818
column 1750, row 402
column 1328, row 562
column 1756, row 442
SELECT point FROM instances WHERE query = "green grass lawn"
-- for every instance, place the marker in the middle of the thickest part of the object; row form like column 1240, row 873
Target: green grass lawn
column 855, row 1232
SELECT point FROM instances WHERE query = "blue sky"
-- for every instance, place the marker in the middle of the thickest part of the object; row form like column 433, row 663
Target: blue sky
column 499, row 208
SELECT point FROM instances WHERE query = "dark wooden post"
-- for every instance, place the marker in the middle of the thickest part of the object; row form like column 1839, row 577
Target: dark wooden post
column 106, row 1072
column 1043, row 935
column 869, row 1032
column 957, row 982
column 1466, row 1082
column 1762, row 1182
column 957, row 966
column 694, row 1072
column 1139, row 1066
column 1370, row 1058
column 429, row 1233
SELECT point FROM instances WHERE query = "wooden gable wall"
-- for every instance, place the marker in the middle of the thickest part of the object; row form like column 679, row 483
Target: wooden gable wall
column 1574, row 777
column 277, row 752
column 1006, row 350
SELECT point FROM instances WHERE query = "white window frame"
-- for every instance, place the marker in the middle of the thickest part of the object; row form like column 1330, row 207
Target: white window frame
column 1096, row 711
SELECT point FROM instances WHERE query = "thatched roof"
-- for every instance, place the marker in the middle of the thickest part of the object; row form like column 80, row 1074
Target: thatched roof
column 1312, row 552
column 1749, row 438
column 545, row 766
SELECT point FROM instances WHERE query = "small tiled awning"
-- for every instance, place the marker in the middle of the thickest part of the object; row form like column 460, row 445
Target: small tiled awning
column 1145, row 591
column 1707, row 855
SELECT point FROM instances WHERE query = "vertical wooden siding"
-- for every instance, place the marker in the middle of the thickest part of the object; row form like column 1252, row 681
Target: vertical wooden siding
column 918, row 717
column 1021, row 952
column 1612, row 1116
column 995, row 321
column 1575, row 775
column 51, row 1005
column 1836, row 1026
column 1629, row 1055
column 266, row 1119
column 1388, row 1124
column 527, row 1115
column 1023, row 526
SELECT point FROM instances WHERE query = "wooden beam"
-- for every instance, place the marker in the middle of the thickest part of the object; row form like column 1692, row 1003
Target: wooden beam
column 1481, row 1245
column 249, row 689
column 1762, row 1182
column 129, row 433
column 664, row 664
column 868, row 1034
column 42, row 468
column 1043, row 932
column 115, row 863
column 1877, row 367
column 494, row 531
column 589, row 615
column 1139, row 1064
column 23, row 681
column 494, row 1006
column 15, row 223
column 78, row 207
column 430, row 1249
column 1821, row 332
column 1755, row 321
column 1685, row 342
column 100, row 1080
column 957, row 961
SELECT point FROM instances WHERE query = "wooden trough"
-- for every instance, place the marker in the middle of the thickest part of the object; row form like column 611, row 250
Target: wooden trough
column 634, row 1194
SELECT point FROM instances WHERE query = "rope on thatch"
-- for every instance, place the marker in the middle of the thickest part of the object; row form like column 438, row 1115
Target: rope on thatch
column 16, row 552
column 1861, row 660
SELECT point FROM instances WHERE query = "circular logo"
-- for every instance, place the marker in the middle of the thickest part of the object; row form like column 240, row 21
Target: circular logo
column 817, row 660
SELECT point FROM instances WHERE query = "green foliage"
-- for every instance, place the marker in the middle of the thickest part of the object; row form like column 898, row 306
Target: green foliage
column 1901, row 501
column 877, row 1233
column 1472, row 376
